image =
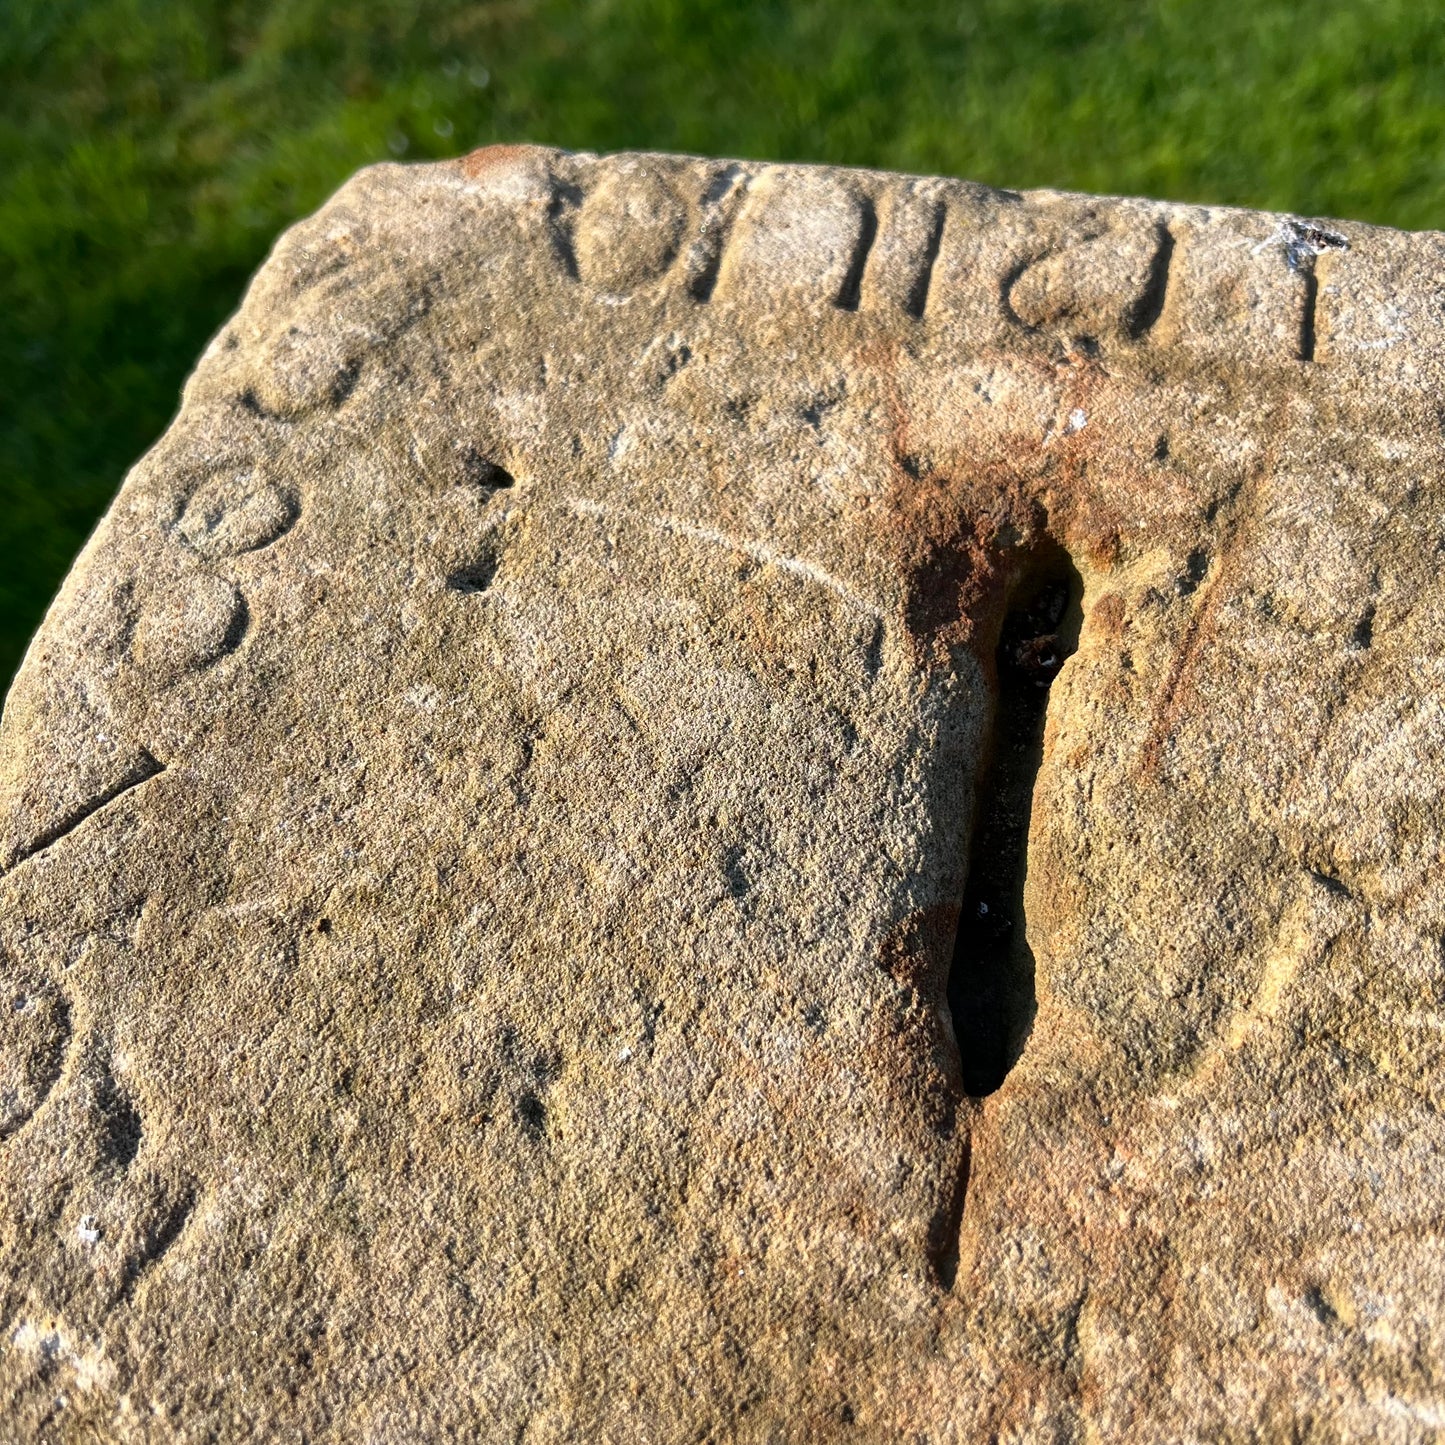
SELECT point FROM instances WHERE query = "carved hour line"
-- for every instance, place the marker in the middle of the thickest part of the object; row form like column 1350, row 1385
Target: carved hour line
column 1307, row 310
column 770, row 556
column 917, row 301
column 1303, row 241
column 1149, row 307
column 851, row 289
column 1005, row 291
column 143, row 770
column 566, row 198
column 721, row 203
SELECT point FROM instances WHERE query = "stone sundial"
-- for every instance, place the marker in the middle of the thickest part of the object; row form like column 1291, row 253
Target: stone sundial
column 699, row 801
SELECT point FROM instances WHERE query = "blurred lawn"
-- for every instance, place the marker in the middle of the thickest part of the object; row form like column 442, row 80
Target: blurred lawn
column 150, row 150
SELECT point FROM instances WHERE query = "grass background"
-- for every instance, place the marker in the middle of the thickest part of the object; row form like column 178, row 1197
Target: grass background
column 150, row 150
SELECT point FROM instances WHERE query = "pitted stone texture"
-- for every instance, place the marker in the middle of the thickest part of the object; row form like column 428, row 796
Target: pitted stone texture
column 485, row 820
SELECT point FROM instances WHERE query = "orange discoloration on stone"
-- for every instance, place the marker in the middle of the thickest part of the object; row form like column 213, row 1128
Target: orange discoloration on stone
column 1106, row 617
column 918, row 950
column 486, row 159
column 948, row 522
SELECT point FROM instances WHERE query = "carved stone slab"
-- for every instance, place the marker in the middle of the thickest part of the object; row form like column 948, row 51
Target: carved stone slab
column 699, row 801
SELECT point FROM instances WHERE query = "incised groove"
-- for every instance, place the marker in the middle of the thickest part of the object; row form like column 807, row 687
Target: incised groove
column 917, row 303
column 142, row 770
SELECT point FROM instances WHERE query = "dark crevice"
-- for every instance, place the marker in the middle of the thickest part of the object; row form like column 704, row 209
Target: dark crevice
column 1230, row 496
column 479, row 574
column 250, row 402
column 1196, row 568
column 1150, row 306
column 1363, row 637
column 1330, row 883
column 479, row 471
column 820, row 406
column 1320, row 1307
column 991, row 982
column 532, row 1116
column 1307, row 315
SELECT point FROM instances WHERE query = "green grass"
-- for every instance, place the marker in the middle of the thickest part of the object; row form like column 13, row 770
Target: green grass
column 150, row 150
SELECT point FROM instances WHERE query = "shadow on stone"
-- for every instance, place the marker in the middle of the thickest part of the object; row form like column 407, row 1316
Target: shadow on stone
column 991, row 981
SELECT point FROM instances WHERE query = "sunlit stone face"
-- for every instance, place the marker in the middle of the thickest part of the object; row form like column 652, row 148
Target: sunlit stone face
column 704, row 800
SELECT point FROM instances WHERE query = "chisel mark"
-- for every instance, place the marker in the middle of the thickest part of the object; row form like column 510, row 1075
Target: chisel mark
column 851, row 289
column 917, row 301
column 141, row 771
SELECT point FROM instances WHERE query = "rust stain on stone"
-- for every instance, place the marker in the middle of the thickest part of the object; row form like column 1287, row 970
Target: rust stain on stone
column 486, row 159
column 917, row 950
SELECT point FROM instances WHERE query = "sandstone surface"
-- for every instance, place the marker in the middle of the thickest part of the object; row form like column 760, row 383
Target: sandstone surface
column 698, row 801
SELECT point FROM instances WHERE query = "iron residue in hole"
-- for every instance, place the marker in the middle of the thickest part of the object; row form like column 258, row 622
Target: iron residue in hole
column 1304, row 240
column 991, row 982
